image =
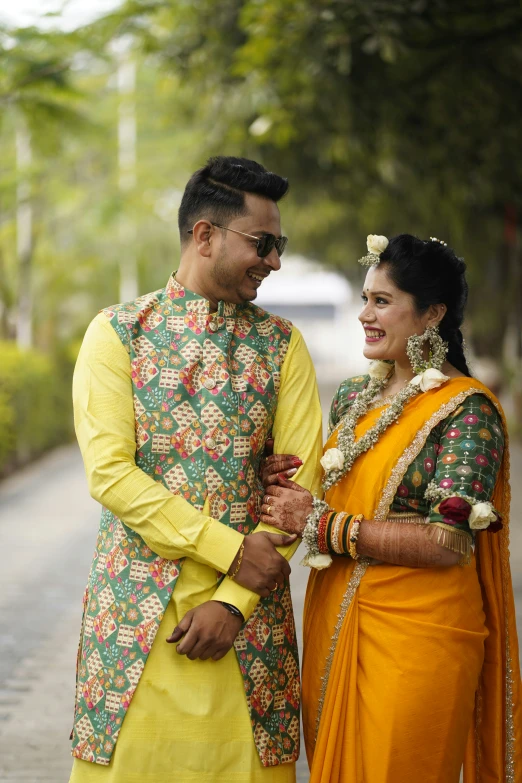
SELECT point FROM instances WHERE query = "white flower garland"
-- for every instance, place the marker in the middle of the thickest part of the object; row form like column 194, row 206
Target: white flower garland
column 346, row 444
column 314, row 558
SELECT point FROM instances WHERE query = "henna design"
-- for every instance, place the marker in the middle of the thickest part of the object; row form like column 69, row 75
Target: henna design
column 289, row 509
column 404, row 545
column 277, row 463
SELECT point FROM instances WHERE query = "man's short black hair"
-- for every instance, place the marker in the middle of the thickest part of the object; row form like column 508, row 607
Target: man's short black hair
column 217, row 191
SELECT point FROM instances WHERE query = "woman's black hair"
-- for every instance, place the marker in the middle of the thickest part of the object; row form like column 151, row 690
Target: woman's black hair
column 432, row 274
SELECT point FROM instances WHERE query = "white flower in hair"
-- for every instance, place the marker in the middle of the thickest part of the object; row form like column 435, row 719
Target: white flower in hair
column 376, row 244
column 379, row 370
column 481, row 516
column 333, row 459
column 429, row 379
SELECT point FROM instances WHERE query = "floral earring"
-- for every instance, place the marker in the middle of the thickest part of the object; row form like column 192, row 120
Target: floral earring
column 437, row 353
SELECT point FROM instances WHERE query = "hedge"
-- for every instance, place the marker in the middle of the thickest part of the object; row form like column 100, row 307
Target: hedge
column 35, row 404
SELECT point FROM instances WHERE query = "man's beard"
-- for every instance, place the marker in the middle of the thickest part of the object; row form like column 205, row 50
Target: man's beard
column 225, row 277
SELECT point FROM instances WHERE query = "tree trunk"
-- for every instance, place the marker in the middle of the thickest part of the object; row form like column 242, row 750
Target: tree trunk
column 127, row 168
column 24, row 236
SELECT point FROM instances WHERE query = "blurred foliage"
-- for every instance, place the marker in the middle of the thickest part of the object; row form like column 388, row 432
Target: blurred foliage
column 386, row 115
column 35, row 404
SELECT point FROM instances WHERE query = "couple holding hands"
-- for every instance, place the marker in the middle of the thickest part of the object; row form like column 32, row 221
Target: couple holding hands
column 188, row 667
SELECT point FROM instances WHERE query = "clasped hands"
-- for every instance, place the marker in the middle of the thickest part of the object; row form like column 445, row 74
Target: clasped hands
column 209, row 630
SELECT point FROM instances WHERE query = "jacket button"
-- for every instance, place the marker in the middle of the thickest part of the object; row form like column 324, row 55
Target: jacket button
column 210, row 443
column 209, row 383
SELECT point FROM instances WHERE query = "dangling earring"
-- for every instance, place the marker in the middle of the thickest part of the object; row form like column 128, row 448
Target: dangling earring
column 437, row 353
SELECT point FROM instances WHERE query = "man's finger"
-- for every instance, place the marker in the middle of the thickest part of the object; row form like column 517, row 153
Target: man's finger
column 281, row 540
column 207, row 652
column 181, row 628
column 188, row 642
column 220, row 654
column 199, row 649
column 269, row 447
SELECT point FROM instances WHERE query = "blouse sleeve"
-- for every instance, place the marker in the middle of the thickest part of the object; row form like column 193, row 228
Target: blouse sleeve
column 469, row 453
column 343, row 398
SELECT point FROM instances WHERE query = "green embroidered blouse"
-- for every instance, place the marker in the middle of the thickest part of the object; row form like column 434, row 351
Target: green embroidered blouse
column 462, row 456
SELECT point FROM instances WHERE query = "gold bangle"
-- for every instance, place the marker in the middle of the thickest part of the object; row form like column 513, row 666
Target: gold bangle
column 339, row 519
column 239, row 561
column 353, row 536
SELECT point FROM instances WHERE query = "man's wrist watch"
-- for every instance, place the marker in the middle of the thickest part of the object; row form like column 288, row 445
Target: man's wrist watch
column 233, row 610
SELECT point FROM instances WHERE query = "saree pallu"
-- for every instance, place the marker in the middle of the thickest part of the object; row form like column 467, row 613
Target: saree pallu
column 408, row 673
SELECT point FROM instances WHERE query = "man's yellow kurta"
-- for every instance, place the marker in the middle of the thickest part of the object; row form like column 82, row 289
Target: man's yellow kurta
column 188, row 720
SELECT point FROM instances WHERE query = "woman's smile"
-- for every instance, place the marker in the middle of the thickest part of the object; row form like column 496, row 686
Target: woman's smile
column 374, row 335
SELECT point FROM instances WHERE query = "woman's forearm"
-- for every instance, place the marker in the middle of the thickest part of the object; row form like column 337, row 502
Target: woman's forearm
column 402, row 544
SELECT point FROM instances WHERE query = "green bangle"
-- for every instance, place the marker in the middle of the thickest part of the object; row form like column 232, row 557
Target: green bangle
column 344, row 539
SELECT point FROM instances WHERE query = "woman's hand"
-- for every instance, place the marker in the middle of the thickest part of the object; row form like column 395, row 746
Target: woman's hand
column 273, row 464
column 286, row 506
column 278, row 463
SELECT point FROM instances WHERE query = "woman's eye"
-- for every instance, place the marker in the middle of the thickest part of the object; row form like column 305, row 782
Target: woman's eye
column 380, row 300
column 364, row 298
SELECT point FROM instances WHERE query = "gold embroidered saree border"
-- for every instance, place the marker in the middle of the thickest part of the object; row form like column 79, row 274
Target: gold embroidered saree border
column 351, row 588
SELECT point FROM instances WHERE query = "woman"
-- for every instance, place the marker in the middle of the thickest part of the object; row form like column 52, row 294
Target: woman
column 410, row 649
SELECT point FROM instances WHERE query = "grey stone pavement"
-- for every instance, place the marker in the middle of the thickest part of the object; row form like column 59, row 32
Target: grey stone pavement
column 48, row 525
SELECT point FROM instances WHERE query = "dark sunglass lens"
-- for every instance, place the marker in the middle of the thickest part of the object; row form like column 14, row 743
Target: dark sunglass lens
column 280, row 245
column 265, row 245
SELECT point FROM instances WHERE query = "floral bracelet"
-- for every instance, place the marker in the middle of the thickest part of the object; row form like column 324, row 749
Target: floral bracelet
column 314, row 558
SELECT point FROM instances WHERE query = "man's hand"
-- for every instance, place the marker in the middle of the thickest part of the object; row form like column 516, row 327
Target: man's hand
column 208, row 631
column 263, row 568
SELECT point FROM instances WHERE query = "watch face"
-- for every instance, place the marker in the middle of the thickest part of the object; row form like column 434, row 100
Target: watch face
column 232, row 609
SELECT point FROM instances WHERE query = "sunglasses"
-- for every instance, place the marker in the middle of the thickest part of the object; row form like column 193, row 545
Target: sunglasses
column 264, row 244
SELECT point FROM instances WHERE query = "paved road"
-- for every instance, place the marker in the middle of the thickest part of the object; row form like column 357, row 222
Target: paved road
column 48, row 525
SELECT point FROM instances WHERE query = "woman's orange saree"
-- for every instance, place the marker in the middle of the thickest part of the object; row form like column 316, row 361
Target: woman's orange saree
column 409, row 673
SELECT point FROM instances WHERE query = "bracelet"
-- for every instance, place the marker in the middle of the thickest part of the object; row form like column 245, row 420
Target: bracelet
column 239, row 560
column 345, row 546
column 340, row 518
column 353, row 536
column 233, row 610
column 314, row 558
column 321, row 532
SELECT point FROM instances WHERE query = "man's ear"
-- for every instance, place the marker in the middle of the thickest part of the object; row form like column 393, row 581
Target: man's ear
column 203, row 232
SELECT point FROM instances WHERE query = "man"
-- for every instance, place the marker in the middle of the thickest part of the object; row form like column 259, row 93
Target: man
column 175, row 396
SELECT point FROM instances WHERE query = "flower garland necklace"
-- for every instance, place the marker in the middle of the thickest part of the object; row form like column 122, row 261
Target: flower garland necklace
column 338, row 461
